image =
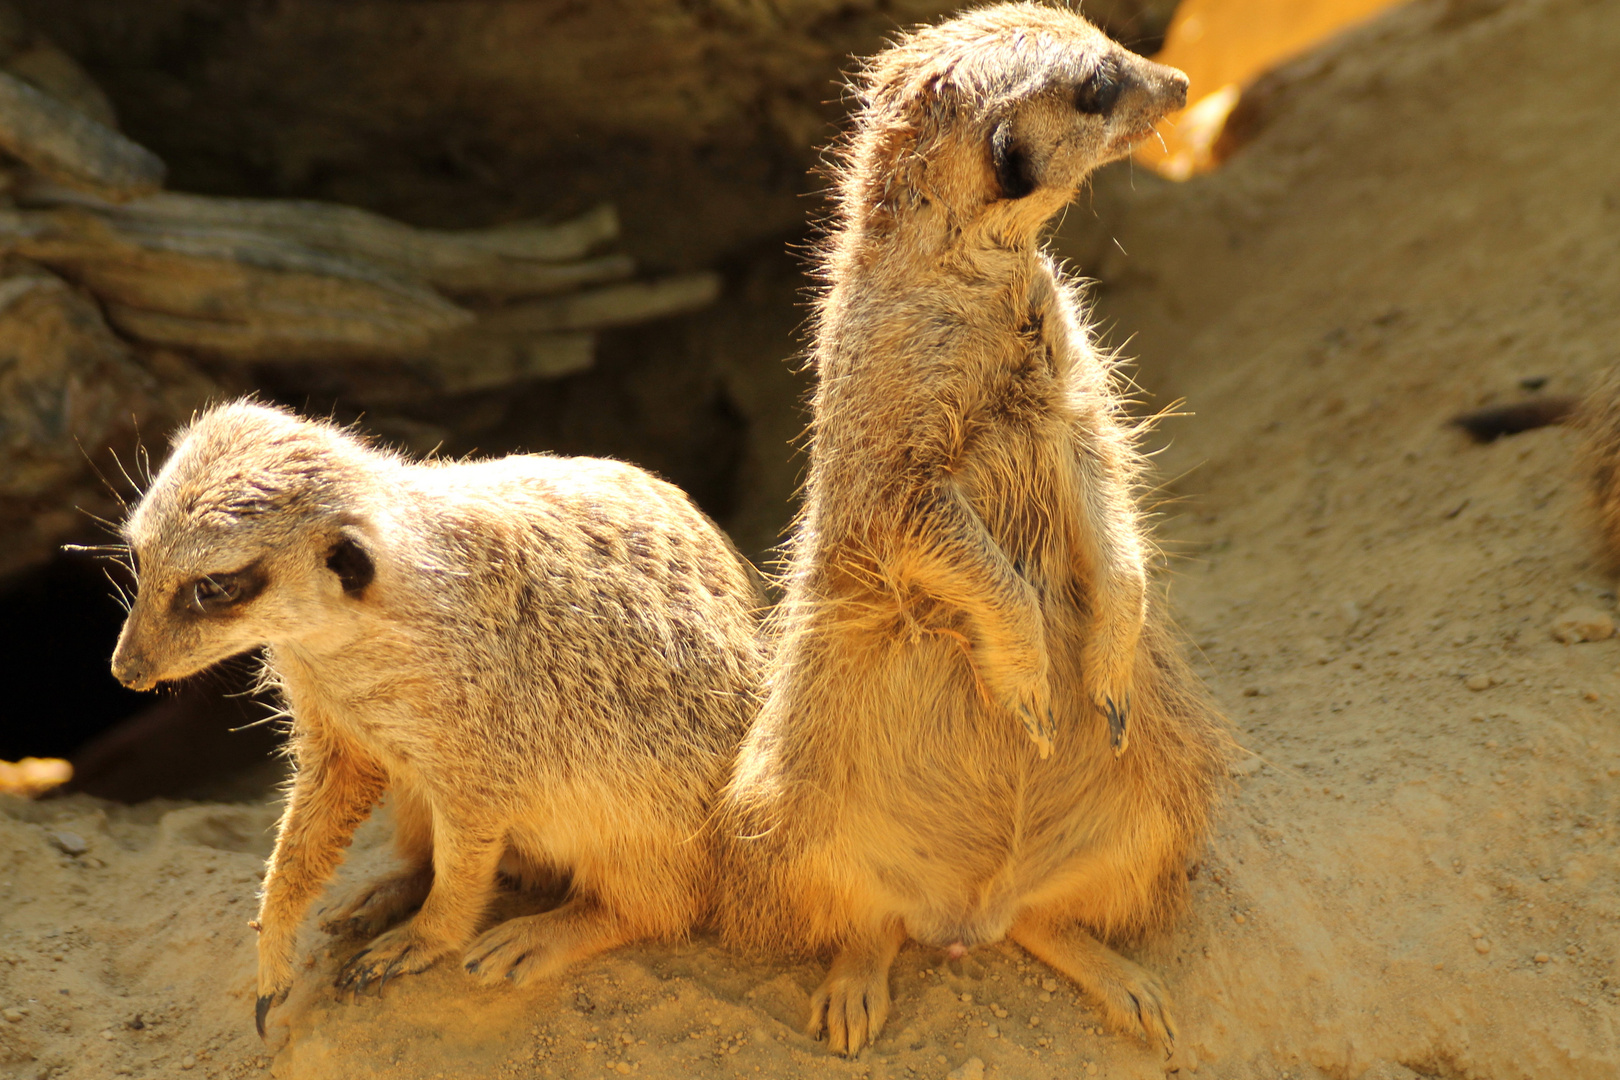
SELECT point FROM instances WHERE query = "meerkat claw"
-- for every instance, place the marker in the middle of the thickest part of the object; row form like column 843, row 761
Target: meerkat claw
column 1118, row 716
column 262, row 1007
column 1039, row 733
column 351, row 972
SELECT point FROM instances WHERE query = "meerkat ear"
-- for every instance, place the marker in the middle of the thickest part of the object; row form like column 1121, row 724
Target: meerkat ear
column 350, row 559
column 1015, row 172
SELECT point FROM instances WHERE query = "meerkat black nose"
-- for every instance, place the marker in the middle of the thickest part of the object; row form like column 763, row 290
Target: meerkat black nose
column 133, row 672
column 1166, row 86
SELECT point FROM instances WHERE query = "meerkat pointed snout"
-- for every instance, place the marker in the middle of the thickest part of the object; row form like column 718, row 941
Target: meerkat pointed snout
column 978, row 723
column 544, row 664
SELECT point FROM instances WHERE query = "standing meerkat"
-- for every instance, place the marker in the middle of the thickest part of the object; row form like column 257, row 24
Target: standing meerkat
column 1598, row 418
column 977, row 721
column 544, row 660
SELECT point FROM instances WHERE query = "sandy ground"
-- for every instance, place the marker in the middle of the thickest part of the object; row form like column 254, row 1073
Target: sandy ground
column 1417, row 872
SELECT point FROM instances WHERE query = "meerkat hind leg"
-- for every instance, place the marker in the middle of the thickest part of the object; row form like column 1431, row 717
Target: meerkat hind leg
column 380, row 904
column 1130, row 996
column 384, row 902
column 537, row 946
column 463, row 882
column 852, row 1003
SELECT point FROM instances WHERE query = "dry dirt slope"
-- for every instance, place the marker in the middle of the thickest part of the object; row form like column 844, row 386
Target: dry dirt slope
column 1431, row 216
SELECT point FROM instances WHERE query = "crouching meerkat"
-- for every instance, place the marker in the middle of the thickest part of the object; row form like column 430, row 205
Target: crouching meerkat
column 977, row 722
column 538, row 659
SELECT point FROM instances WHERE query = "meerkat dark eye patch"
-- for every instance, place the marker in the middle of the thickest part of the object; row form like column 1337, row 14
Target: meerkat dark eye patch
column 352, row 563
column 1015, row 173
column 1099, row 92
column 213, row 594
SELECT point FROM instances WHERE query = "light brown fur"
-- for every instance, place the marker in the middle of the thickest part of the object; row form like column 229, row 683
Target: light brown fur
column 1598, row 418
column 542, row 660
column 977, row 722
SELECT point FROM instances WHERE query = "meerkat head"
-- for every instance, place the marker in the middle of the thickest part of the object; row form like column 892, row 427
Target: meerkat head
column 248, row 536
column 1000, row 113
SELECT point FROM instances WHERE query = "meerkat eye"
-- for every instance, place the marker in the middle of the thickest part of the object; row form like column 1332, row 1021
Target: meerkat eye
column 216, row 592
column 1098, row 93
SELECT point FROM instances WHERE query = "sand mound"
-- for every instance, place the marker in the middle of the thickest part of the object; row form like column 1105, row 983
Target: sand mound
column 1416, row 873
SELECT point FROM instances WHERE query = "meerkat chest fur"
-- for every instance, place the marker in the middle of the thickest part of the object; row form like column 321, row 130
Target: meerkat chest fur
column 977, row 365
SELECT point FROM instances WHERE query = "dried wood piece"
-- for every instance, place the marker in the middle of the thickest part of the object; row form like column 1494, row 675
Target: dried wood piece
column 465, row 363
column 507, row 260
column 477, row 360
column 616, row 305
column 240, row 294
column 63, row 144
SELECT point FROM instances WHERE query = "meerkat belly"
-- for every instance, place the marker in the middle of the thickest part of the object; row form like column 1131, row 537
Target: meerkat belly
column 969, row 821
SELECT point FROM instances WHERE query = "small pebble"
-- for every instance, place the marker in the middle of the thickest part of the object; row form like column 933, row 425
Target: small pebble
column 188, row 1062
column 1482, row 946
column 1479, row 682
column 1091, row 1068
column 1541, row 958
column 967, row 999
column 1049, row 985
column 971, row 1069
column 1475, row 932
column 1580, row 624
column 1239, row 918
column 623, row 1067
column 13, row 1016
column 68, row 843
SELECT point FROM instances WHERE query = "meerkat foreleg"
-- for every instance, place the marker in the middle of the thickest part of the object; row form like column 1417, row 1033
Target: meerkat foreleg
column 1111, row 545
column 852, row 1003
column 380, row 904
column 332, row 793
column 959, row 562
column 1130, row 996
column 464, row 863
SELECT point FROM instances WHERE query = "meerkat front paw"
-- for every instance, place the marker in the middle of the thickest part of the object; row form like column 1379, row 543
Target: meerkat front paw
column 1109, row 686
column 374, row 908
column 1118, row 714
column 401, row 951
column 1034, row 711
column 275, row 972
column 1023, row 690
